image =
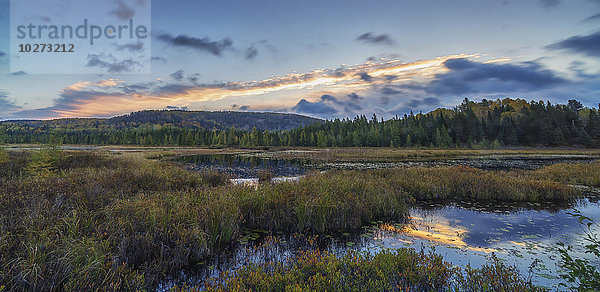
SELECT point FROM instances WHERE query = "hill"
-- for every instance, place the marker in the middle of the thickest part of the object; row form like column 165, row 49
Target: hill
column 485, row 124
column 220, row 120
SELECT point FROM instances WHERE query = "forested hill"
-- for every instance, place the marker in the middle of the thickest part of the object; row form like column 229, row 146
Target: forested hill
column 220, row 120
column 507, row 122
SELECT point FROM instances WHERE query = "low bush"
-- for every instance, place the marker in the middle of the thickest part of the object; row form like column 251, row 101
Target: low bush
column 389, row 270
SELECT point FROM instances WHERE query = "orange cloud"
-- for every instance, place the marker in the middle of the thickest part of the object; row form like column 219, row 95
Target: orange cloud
column 107, row 102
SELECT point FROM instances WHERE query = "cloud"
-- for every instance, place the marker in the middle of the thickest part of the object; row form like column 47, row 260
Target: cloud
column 177, row 75
column 203, row 45
column 578, row 67
column 131, row 47
column 328, row 105
column 251, row 53
column 176, row 108
column 134, row 88
column 72, row 97
column 594, row 17
column 172, row 89
column 111, row 64
column 388, row 90
column 193, row 77
column 365, row 76
column 354, row 96
column 586, row 44
column 268, row 46
column 341, row 91
column 316, row 108
column 466, row 76
column 122, row 12
column 159, row 59
column 240, row 107
column 374, row 39
column 416, row 103
column 548, row 3
column 6, row 105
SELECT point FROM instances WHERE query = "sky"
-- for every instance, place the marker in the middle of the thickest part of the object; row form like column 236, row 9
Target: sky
column 327, row 59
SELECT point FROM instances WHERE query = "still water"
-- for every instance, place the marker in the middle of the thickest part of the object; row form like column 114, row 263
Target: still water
column 246, row 166
column 524, row 236
column 464, row 233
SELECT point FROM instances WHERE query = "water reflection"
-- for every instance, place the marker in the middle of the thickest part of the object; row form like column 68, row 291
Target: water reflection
column 245, row 166
column 464, row 233
column 521, row 236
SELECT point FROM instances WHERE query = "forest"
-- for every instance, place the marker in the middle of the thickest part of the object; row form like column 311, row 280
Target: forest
column 484, row 124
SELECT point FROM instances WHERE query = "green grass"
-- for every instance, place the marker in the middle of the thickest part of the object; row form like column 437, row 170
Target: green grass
column 85, row 220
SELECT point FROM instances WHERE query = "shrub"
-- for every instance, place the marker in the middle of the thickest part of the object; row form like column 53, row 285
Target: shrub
column 3, row 155
column 45, row 162
column 581, row 274
column 494, row 276
column 388, row 270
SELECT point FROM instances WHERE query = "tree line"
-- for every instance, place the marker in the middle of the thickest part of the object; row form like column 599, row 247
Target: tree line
column 485, row 124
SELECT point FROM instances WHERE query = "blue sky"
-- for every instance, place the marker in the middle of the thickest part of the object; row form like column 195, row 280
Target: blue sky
column 330, row 58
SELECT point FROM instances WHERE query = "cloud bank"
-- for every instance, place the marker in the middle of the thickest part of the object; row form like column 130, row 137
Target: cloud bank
column 386, row 87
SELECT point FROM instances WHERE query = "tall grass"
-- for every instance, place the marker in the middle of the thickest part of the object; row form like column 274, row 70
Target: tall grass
column 587, row 174
column 470, row 183
column 97, row 221
column 319, row 203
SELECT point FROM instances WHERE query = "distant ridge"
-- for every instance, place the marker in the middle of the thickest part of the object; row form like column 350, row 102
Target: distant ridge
column 185, row 119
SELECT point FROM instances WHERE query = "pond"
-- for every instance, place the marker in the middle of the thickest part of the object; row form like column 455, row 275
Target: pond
column 463, row 232
column 246, row 166
column 467, row 233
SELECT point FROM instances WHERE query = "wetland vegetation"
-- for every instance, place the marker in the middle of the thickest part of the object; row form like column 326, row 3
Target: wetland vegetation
column 102, row 220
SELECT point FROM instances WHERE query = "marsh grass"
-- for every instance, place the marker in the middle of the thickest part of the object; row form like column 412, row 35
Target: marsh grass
column 395, row 154
column 319, row 203
column 99, row 221
column 123, row 222
column 469, row 183
column 586, row 174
